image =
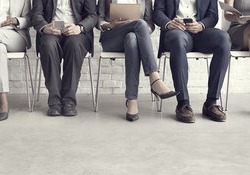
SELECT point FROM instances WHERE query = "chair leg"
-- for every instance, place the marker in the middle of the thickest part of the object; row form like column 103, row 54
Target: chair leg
column 26, row 64
column 35, row 84
column 97, row 85
column 228, row 78
column 159, row 106
column 91, row 82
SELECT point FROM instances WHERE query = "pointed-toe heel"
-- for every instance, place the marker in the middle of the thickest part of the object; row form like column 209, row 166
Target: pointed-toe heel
column 131, row 117
column 165, row 95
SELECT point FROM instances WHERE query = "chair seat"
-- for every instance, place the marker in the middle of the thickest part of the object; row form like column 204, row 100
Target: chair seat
column 240, row 53
column 112, row 55
column 13, row 55
column 193, row 55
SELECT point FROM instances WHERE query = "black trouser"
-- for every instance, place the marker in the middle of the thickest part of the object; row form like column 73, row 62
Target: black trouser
column 72, row 49
column 210, row 40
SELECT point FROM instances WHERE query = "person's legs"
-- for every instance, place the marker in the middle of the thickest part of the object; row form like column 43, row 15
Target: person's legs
column 75, row 48
column 217, row 42
column 178, row 43
column 51, row 56
column 10, row 41
column 132, row 65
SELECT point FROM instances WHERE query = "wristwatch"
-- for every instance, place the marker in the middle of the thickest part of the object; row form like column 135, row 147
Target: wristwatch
column 81, row 29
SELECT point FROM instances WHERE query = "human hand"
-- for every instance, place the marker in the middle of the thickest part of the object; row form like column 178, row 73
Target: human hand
column 243, row 19
column 194, row 27
column 9, row 21
column 71, row 29
column 114, row 23
column 49, row 29
column 176, row 23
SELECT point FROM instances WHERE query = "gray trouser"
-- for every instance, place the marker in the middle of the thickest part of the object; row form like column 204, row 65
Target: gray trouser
column 72, row 49
column 134, row 39
column 210, row 40
column 10, row 41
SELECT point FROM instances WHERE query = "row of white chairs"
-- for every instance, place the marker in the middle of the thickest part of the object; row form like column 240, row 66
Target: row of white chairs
column 35, row 86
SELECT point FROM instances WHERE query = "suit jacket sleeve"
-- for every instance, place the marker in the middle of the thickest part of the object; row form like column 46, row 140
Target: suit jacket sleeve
column 209, row 15
column 89, row 21
column 159, row 14
column 24, row 18
column 37, row 15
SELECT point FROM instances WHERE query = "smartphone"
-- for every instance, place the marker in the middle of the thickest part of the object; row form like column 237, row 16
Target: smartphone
column 187, row 20
column 58, row 25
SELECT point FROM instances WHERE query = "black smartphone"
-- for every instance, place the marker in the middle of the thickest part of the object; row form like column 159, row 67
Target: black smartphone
column 187, row 20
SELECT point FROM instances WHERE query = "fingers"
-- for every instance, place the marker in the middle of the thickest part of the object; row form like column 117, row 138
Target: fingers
column 177, row 23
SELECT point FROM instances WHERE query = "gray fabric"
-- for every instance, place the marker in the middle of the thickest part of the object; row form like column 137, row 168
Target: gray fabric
column 236, row 30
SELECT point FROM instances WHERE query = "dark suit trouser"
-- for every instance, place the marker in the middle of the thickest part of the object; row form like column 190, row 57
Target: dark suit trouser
column 210, row 40
column 72, row 50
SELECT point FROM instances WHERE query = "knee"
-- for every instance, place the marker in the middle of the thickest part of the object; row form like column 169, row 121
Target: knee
column 177, row 40
column 47, row 43
column 224, row 40
column 140, row 23
column 73, row 43
column 3, row 48
column 130, row 40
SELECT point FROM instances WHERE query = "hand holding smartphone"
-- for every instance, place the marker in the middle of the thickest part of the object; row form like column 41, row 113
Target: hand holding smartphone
column 59, row 25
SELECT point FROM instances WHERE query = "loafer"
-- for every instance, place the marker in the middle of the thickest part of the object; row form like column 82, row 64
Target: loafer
column 185, row 114
column 3, row 115
column 214, row 112
column 69, row 110
column 54, row 111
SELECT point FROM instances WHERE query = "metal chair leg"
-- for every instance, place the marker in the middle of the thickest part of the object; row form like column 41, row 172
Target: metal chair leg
column 97, row 85
column 228, row 78
column 91, row 82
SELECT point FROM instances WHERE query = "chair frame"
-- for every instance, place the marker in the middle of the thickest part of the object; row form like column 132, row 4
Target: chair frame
column 37, row 88
column 236, row 55
column 105, row 55
column 25, row 57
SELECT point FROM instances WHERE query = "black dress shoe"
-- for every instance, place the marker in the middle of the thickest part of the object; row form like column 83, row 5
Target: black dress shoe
column 3, row 115
column 214, row 112
column 54, row 111
column 185, row 114
column 69, row 110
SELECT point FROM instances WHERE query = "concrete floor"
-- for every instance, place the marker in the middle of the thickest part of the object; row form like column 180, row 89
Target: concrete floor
column 104, row 143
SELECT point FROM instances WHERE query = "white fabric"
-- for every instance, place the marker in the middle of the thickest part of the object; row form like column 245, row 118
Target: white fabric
column 4, row 9
column 64, row 12
column 187, row 9
column 125, row 1
column 11, row 41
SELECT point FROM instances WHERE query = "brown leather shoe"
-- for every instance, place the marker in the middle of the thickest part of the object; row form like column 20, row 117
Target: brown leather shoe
column 214, row 112
column 185, row 114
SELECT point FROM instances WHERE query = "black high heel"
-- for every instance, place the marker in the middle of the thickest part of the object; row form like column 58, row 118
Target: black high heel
column 165, row 95
column 131, row 117
column 3, row 115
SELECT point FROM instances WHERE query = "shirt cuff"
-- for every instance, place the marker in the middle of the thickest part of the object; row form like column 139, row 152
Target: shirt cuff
column 203, row 26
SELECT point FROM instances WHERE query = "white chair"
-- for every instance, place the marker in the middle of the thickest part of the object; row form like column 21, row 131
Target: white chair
column 24, row 56
column 105, row 55
column 236, row 55
column 37, row 88
column 190, row 55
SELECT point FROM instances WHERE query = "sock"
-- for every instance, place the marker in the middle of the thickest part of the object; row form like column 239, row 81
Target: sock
column 210, row 101
column 182, row 103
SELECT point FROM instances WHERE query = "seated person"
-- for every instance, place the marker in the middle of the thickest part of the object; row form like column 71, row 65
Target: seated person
column 70, row 44
column 239, row 30
column 133, row 38
column 14, row 37
column 179, row 36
